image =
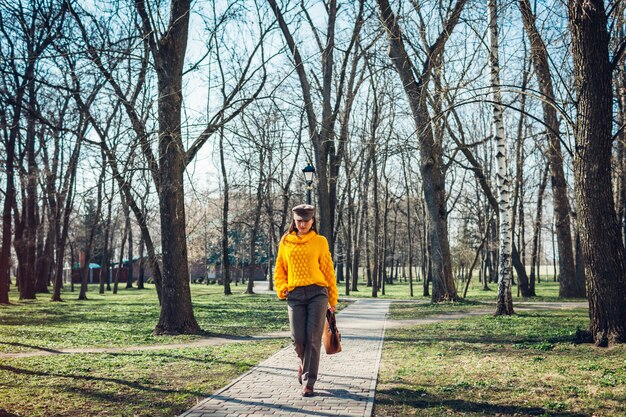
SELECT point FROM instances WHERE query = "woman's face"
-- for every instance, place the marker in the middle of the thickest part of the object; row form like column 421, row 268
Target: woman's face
column 304, row 225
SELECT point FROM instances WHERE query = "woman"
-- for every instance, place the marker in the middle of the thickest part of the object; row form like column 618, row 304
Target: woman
column 305, row 276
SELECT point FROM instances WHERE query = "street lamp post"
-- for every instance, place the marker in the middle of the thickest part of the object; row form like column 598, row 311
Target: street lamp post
column 308, row 172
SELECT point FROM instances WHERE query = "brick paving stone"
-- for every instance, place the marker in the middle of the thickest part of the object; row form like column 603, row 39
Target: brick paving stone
column 345, row 387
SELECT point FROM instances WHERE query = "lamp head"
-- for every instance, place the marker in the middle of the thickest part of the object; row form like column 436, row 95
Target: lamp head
column 309, row 172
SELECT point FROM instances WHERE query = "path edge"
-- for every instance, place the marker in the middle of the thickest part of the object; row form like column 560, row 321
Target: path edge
column 369, row 408
column 232, row 383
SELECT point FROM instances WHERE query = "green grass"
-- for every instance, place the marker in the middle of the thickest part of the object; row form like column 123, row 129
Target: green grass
column 146, row 383
column 522, row 365
column 456, row 365
column 132, row 383
column 407, row 311
column 547, row 290
column 128, row 318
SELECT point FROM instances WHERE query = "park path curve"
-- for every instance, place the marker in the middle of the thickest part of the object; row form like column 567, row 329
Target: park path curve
column 346, row 383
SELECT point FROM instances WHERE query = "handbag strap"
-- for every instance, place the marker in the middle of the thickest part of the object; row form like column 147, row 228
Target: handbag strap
column 332, row 322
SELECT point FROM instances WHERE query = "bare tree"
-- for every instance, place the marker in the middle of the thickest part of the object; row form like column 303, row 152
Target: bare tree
column 225, row 210
column 534, row 255
column 504, row 304
column 94, row 223
column 28, row 30
column 327, row 150
column 430, row 151
column 569, row 286
column 165, row 45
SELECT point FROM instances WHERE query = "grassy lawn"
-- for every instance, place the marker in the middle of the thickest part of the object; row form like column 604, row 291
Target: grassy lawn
column 408, row 310
column 128, row 318
column 138, row 383
column 147, row 383
column 521, row 365
column 524, row 365
column 547, row 290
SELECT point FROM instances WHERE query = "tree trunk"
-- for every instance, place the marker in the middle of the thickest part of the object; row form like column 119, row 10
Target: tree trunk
column 599, row 233
column 376, row 240
column 359, row 234
column 142, row 265
column 28, row 261
column 580, row 264
column 523, row 280
column 225, row 258
column 504, row 304
column 84, row 273
column 44, row 272
column 62, row 222
column 537, row 229
column 92, row 233
column 120, row 262
column 168, row 54
column 348, row 253
column 176, row 310
column 431, row 153
column 425, row 240
column 339, row 267
column 395, row 263
column 7, row 234
column 409, row 225
column 569, row 286
column 368, row 255
column 129, row 280
column 257, row 222
column 620, row 90
column 105, row 268
column 384, row 275
column 479, row 250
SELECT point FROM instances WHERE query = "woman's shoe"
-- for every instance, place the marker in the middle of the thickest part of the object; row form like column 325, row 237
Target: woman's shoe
column 307, row 391
column 300, row 374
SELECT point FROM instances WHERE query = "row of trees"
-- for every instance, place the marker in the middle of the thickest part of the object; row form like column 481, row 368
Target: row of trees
column 433, row 130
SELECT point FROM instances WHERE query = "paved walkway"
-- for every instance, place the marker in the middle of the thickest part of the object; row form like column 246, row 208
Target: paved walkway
column 346, row 383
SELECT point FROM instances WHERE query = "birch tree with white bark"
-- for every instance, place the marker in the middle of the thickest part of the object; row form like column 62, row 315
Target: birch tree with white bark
column 504, row 305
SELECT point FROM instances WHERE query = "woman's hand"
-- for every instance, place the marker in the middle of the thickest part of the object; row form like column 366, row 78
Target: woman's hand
column 333, row 309
column 285, row 293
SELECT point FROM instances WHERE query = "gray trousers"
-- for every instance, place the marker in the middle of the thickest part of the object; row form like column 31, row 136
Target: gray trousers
column 307, row 312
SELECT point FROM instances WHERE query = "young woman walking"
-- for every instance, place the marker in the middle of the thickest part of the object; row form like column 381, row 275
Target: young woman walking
column 305, row 277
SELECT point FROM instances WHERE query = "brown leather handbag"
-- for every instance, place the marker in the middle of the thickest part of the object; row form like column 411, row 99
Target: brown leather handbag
column 331, row 336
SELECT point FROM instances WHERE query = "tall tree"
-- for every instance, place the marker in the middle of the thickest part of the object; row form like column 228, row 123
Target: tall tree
column 373, row 156
column 504, row 304
column 225, row 211
column 534, row 254
column 92, row 224
column 168, row 51
column 27, row 31
column 599, row 232
column 431, row 152
column 328, row 151
column 165, row 35
column 569, row 286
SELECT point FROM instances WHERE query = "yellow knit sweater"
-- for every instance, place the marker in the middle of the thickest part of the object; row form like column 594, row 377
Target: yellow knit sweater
column 305, row 261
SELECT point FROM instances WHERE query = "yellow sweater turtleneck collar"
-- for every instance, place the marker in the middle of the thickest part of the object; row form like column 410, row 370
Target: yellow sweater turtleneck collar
column 294, row 238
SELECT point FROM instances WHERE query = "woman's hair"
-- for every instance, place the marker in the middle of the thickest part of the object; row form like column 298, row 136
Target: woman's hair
column 293, row 228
